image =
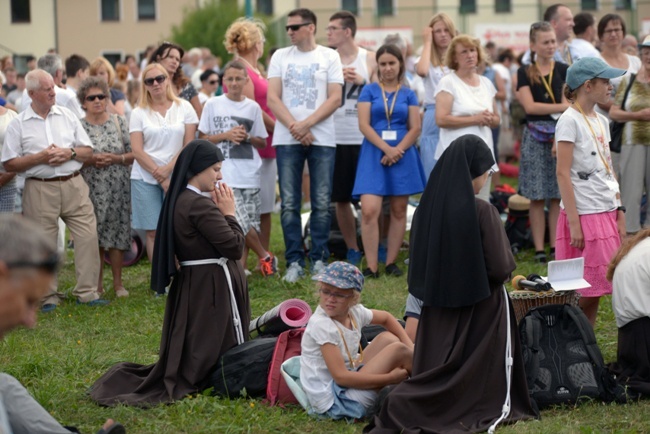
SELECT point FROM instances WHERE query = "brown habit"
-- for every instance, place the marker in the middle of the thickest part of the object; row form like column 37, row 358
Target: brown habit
column 458, row 382
column 198, row 325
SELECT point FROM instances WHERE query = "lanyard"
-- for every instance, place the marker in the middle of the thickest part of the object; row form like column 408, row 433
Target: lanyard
column 593, row 133
column 389, row 114
column 547, row 84
column 353, row 363
column 566, row 55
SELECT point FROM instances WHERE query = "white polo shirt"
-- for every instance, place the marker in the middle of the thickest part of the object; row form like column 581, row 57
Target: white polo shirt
column 29, row 134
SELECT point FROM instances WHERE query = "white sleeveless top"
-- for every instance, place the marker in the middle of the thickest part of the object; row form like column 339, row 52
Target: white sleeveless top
column 346, row 118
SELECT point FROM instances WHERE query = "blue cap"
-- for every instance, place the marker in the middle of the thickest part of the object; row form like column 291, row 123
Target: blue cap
column 587, row 68
column 341, row 275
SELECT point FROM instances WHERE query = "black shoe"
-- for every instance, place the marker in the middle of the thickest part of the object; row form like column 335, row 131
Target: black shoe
column 540, row 257
column 393, row 270
column 368, row 273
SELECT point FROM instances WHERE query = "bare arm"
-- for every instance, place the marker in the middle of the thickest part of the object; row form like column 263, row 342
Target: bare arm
column 356, row 379
column 444, row 118
column 525, row 97
column 563, row 171
column 143, row 159
column 196, row 105
column 422, row 67
column 500, row 84
column 249, row 92
column 388, row 321
column 616, row 113
column 274, row 101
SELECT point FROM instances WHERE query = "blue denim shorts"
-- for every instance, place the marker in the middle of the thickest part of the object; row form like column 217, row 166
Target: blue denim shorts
column 146, row 200
column 344, row 407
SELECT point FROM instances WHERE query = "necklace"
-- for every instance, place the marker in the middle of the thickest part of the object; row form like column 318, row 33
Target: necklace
column 596, row 141
column 257, row 71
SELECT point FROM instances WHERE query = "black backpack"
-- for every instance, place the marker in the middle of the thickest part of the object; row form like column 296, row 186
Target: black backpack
column 562, row 359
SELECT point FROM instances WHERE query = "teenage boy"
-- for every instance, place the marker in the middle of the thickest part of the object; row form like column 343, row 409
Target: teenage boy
column 234, row 123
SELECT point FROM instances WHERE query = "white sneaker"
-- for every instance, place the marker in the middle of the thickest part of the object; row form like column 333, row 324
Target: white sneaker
column 318, row 267
column 294, row 273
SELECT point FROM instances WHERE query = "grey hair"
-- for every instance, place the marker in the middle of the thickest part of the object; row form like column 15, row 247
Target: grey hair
column 397, row 40
column 50, row 63
column 33, row 79
column 88, row 84
column 23, row 241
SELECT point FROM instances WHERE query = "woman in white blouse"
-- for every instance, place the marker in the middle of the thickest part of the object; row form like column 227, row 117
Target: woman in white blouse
column 160, row 126
column 465, row 101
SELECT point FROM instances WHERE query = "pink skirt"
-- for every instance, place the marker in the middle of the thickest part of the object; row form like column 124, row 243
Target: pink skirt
column 602, row 240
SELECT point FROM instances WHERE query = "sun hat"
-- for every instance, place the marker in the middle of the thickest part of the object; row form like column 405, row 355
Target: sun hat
column 341, row 275
column 587, row 68
column 645, row 43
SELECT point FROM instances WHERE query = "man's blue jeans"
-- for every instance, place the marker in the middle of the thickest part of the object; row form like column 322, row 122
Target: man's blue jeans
column 291, row 161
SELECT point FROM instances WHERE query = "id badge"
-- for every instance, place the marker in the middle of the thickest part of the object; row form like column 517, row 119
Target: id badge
column 389, row 135
column 612, row 185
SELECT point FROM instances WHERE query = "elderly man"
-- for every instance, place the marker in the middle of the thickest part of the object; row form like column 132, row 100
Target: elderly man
column 49, row 145
column 28, row 263
column 305, row 82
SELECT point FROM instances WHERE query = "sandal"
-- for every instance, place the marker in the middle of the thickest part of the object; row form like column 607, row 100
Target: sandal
column 120, row 292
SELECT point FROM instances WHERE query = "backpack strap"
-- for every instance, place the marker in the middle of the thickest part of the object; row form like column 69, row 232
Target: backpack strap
column 627, row 90
column 587, row 333
column 533, row 329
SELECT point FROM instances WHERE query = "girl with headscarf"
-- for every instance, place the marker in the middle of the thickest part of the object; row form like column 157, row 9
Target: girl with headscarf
column 208, row 309
column 460, row 258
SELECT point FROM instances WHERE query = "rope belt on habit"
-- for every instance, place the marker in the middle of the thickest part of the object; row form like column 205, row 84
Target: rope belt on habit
column 57, row 178
column 233, row 303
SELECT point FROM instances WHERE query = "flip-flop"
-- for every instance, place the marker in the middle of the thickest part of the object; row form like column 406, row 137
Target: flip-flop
column 116, row 428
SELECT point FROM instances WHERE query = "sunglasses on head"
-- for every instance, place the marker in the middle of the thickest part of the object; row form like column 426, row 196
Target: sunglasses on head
column 99, row 96
column 159, row 79
column 295, row 27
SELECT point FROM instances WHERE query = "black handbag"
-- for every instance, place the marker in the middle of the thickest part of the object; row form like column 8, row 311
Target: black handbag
column 616, row 128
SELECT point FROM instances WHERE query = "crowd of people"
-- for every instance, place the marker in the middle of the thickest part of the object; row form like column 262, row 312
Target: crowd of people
column 191, row 153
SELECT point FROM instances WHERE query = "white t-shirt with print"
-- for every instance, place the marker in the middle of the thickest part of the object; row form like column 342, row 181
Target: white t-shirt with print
column 315, row 378
column 468, row 101
column 305, row 76
column 241, row 169
column 594, row 190
column 163, row 135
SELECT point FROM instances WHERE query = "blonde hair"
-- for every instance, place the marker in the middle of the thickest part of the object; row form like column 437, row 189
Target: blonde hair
column 145, row 100
column 100, row 62
column 243, row 34
column 446, row 19
column 465, row 41
column 625, row 248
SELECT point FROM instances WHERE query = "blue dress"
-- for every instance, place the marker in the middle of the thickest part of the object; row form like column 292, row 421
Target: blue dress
column 407, row 176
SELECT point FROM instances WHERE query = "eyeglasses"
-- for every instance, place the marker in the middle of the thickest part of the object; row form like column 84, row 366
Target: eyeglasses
column 337, row 295
column 333, row 28
column 99, row 96
column 159, row 79
column 295, row 27
column 612, row 31
column 213, row 81
column 234, row 79
column 50, row 264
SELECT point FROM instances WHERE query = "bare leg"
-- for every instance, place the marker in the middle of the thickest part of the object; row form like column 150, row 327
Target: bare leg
column 265, row 230
column 347, row 224
column 151, row 239
column 393, row 355
column 117, row 259
column 589, row 306
column 100, row 284
column 537, row 223
column 397, row 227
column 370, row 210
column 253, row 243
column 553, row 214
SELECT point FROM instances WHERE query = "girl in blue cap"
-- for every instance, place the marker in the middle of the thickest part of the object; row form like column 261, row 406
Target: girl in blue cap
column 340, row 379
column 592, row 221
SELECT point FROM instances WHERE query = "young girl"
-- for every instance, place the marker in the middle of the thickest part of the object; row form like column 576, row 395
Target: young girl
column 592, row 220
column 340, row 379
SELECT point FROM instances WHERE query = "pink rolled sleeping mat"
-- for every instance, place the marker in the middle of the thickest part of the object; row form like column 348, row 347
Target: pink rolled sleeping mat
column 289, row 314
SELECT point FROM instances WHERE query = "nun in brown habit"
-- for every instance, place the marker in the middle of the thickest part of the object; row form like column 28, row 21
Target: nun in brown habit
column 460, row 258
column 208, row 308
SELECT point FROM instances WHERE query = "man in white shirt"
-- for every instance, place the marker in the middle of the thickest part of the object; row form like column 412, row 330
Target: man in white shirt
column 304, row 91
column 585, row 30
column 77, row 69
column 48, row 144
column 52, row 64
column 359, row 66
column 561, row 19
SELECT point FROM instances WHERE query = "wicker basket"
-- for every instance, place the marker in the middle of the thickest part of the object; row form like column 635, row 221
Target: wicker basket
column 523, row 301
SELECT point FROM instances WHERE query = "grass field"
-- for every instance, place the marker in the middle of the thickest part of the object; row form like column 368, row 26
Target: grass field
column 71, row 347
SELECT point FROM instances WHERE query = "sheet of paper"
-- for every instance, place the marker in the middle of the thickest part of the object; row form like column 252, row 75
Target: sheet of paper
column 567, row 274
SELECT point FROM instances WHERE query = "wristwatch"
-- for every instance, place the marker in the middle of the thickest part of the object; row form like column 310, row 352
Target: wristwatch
column 621, row 208
column 73, row 155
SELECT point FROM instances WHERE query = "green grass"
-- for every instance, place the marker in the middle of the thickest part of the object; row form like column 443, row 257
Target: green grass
column 70, row 348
